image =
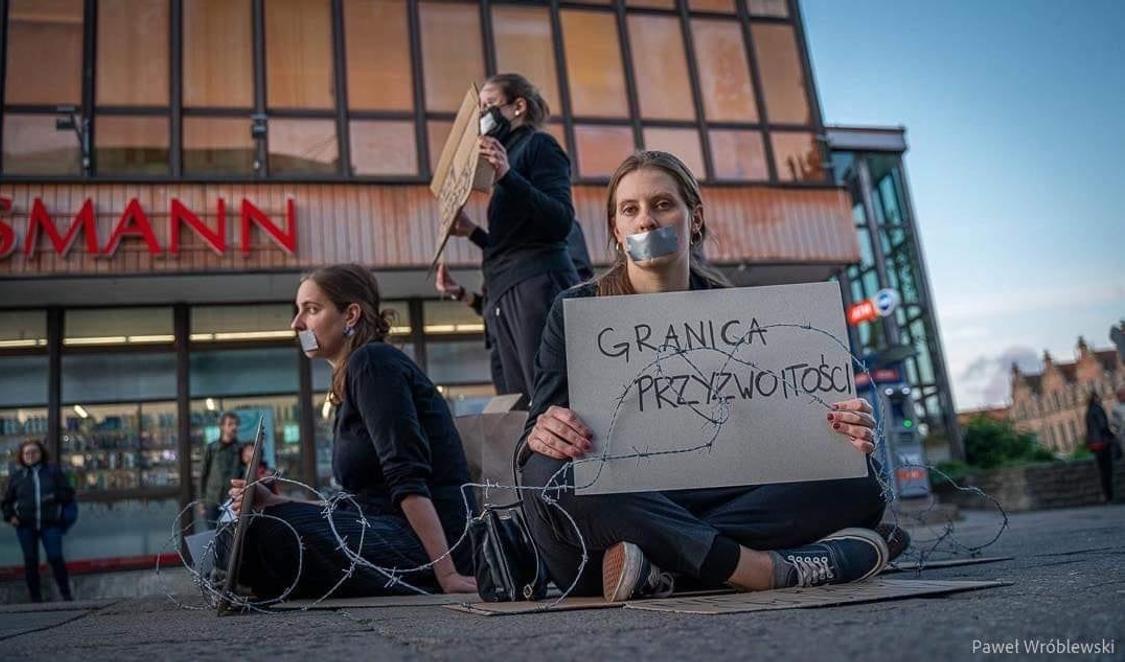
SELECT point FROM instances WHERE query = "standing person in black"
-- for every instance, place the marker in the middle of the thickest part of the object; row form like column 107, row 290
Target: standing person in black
column 394, row 447
column 33, row 503
column 530, row 217
column 1101, row 442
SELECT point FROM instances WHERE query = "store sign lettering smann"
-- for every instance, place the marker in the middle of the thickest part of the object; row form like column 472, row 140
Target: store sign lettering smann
column 134, row 223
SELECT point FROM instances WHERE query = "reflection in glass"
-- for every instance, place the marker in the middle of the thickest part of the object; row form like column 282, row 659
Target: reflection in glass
column 738, row 155
column 451, row 52
column 34, row 146
column 783, row 77
column 299, row 71
column 724, row 74
column 593, row 64
column 383, row 148
column 797, row 156
column 303, row 147
column 602, row 148
column 44, row 50
column 378, row 55
column 218, row 65
column 524, row 44
column 684, row 143
column 218, row 145
column 132, row 43
column 660, row 67
column 131, row 145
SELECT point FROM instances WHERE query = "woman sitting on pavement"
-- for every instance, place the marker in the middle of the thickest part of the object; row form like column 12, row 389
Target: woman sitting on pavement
column 750, row 538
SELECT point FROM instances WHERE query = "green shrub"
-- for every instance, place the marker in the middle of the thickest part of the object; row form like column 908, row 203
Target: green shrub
column 990, row 443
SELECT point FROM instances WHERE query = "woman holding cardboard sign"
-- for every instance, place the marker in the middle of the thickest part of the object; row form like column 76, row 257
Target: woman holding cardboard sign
column 530, row 215
column 394, row 447
column 751, row 538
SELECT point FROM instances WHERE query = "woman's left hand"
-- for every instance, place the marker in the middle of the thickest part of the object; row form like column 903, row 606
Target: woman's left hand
column 852, row 418
column 496, row 154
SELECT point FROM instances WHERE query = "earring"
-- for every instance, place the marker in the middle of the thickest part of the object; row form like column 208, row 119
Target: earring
column 349, row 330
column 696, row 236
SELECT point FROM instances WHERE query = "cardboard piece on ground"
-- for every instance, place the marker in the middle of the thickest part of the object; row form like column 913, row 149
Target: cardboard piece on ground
column 948, row 563
column 710, row 388
column 460, row 169
column 374, row 602
column 873, row 590
column 490, row 441
column 510, row 608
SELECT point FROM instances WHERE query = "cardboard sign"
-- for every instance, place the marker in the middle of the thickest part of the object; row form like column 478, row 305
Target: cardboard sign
column 460, row 170
column 234, row 562
column 490, row 440
column 710, row 388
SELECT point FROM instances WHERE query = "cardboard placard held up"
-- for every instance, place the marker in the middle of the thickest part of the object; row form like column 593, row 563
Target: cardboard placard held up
column 490, row 440
column 710, row 388
column 460, row 169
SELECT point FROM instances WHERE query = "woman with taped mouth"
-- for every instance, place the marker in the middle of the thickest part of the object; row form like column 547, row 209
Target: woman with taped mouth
column 526, row 261
column 750, row 538
column 394, row 447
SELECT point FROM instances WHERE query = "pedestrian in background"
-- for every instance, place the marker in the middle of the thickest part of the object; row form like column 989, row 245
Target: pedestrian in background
column 221, row 461
column 36, row 503
column 1100, row 441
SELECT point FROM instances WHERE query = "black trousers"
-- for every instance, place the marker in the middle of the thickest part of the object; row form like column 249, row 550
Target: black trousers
column 517, row 319
column 1104, row 458
column 270, row 553
column 677, row 529
column 51, row 536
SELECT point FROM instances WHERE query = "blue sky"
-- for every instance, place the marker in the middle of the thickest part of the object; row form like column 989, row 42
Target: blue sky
column 1015, row 117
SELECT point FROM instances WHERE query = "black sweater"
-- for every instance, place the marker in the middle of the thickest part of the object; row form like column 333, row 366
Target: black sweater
column 530, row 214
column 394, row 437
column 36, row 495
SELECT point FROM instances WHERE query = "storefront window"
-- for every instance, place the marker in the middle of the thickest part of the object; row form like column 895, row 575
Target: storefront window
column 44, row 50
column 243, row 372
column 132, row 63
column 120, row 446
column 776, row 8
column 738, row 155
column 217, row 60
column 783, row 78
column 458, row 362
column 218, row 146
column 468, row 400
column 660, row 67
column 593, row 64
column 303, row 147
column 299, row 71
column 23, row 384
column 601, row 149
column 451, row 317
column 378, row 55
column 383, row 148
column 523, row 43
column 452, row 56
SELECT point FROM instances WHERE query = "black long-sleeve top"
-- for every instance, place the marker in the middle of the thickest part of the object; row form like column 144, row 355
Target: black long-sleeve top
column 530, row 214
column 394, row 436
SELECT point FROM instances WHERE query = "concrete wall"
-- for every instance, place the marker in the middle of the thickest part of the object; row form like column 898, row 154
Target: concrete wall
column 1036, row 487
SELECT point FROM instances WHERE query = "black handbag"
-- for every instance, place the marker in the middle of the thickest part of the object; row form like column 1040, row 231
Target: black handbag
column 508, row 566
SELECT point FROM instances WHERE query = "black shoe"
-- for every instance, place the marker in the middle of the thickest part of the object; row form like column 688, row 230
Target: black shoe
column 897, row 539
column 626, row 574
column 849, row 555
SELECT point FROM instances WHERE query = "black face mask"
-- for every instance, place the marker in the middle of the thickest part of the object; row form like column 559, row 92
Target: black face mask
column 494, row 124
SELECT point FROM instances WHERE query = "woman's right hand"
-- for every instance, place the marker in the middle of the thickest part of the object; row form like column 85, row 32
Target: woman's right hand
column 15, row 521
column 559, row 433
column 263, row 497
column 462, row 226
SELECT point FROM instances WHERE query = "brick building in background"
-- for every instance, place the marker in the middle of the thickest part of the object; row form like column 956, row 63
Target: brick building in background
column 1052, row 403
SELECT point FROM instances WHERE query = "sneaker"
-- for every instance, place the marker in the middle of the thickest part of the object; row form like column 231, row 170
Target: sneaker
column 897, row 539
column 849, row 555
column 626, row 574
